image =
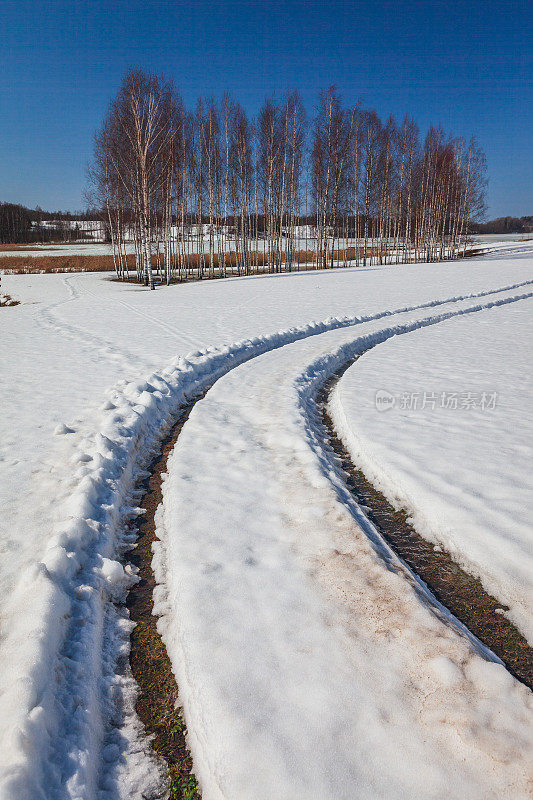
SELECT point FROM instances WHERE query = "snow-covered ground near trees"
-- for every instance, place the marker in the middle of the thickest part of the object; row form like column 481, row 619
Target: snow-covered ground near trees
column 306, row 667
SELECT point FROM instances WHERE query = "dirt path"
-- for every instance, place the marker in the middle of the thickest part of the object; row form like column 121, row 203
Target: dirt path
column 150, row 664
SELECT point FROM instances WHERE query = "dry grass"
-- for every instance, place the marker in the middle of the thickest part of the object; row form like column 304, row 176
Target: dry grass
column 20, row 265
column 470, row 253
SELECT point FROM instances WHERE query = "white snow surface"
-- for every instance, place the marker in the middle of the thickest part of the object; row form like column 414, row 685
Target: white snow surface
column 92, row 371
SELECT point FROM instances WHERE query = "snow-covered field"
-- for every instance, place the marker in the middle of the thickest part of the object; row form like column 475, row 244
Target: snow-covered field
column 306, row 667
column 103, row 249
column 53, row 250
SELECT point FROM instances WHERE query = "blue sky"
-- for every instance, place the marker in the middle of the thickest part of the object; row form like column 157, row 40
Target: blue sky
column 465, row 64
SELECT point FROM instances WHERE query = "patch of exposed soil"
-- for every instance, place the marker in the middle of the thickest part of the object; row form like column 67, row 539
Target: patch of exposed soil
column 150, row 664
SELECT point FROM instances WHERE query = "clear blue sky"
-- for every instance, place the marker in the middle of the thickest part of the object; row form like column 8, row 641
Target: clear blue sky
column 465, row 64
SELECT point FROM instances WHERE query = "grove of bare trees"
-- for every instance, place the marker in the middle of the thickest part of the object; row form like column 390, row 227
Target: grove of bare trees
column 210, row 191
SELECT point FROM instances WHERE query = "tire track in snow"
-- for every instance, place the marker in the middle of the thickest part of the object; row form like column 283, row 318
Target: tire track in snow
column 158, row 701
column 110, row 351
column 174, row 331
column 498, row 635
column 455, row 595
column 164, row 326
column 96, row 343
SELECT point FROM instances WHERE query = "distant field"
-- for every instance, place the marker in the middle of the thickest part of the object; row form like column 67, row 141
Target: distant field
column 25, row 247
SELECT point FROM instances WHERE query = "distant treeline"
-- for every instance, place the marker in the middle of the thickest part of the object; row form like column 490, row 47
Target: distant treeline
column 21, row 225
column 504, row 225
